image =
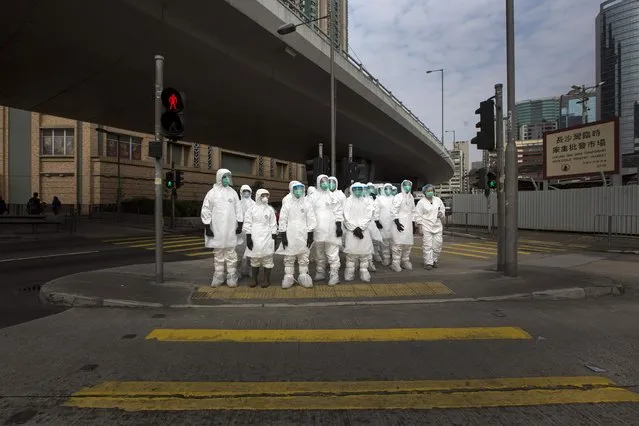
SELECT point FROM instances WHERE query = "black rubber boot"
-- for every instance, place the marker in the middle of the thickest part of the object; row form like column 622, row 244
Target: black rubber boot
column 267, row 278
column 256, row 274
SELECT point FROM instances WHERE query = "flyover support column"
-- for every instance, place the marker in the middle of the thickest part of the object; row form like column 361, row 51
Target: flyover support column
column 159, row 216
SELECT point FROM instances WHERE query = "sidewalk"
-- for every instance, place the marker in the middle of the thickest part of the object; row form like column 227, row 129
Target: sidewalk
column 187, row 284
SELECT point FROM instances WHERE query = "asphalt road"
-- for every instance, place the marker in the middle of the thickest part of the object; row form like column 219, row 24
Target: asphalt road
column 26, row 265
column 47, row 361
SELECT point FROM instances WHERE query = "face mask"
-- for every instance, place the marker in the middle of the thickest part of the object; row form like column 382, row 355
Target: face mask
column 357, row 192
column 264, row 200
column 298, row 192
column 246, row 194
column 430, row 194
column 406, row 188
column 226, row 181
column 332, row 186
column 388, row 191
column 324, row 186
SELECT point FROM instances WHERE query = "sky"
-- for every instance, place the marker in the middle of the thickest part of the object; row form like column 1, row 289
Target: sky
column 398, row 40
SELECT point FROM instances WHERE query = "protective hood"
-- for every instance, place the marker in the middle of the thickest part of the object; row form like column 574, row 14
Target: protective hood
column 292, row 184
column 260, row 192
column 358, row 185
column 407, row 181
column 319, row 178
column 427, row 187
column 334, row 179
column 243, row 188
column 310, row 190
column 386, row 185
column 220, row 173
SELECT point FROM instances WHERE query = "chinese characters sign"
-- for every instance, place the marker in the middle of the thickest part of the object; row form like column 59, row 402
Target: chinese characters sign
column 582, row 150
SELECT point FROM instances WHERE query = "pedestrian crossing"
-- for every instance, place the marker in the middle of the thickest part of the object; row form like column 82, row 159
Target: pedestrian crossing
column 193, row 246
column 288, row 395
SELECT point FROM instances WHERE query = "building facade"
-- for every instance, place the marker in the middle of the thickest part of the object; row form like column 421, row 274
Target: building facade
column 314, row 9
column 70, row 159
column 536, row 131
column 530, row 159
column 535, row 112
column 459, row 183
column 617, row 44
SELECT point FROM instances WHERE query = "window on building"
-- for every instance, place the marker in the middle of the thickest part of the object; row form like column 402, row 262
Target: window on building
column 281, row 171
column 239, row 164
column 129, row 147
column 57, row 142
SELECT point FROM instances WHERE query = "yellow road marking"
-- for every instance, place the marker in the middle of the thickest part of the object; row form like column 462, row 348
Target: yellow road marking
column 426, row 394
column 166, row 242
column 201, row 253
column 459, row 253
column 195, row 245
column 487, row 247
column 407, row 289
column 556, row 243
column 338, row 335
column 133, row 239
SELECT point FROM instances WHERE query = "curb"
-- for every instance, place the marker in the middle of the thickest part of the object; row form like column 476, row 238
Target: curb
column 622, row 251
column 574, row 293
column 464, row 235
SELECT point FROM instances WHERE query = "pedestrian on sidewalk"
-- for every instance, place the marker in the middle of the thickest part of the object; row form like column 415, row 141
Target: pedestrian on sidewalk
column 56, row 205
column 297, row 223
column 403, row 214
column 245, row 203
column 358, row 244
column 222, row 218
column 384, row 204
column 260, row 228
column 428, row 217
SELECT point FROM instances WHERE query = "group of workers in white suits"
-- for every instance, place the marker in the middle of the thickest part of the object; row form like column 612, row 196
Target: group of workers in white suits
column 317, row 223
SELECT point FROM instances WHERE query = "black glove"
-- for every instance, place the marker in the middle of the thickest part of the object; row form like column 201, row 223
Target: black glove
column 378, row 224
column 400, row 227
column 338, row 229
column 249, row 241
column 358, row 233
column 239, row 228
column 309, row 239
column 208, row 230
column 277, row 241
column 284, row 239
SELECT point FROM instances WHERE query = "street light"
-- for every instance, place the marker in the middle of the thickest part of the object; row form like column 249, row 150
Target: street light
column 442, row 71
column 290, row 28
column 117, row 153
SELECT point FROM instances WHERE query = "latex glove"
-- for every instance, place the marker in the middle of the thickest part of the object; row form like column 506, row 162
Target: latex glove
column 208, row 230
column 249, row 241
column 239, row 228
column 338, row 229
column 284, row 239
column 358, row 233
column 309, row 239
column 378, row 224
column 400, row 227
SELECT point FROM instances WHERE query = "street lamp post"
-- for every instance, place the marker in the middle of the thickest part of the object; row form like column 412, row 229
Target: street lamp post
column 290, row 28
column 582, row 93
column 442, row 71
column 117, row 153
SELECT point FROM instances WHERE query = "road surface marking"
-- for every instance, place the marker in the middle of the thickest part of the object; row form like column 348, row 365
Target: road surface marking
column 482, row 247
column 49, row 255
column 136, row 239
column 338, row 335
column 165, row 243
column 555, row 243
column 405, row 289
column 370, row 395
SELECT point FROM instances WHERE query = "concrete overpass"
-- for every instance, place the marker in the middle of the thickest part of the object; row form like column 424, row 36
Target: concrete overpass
column 93, row 61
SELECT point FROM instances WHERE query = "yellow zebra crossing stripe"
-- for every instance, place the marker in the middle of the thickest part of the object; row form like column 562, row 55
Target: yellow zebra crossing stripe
column 350, row 395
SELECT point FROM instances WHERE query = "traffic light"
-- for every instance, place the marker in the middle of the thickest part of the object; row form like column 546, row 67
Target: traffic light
column 178, row 178
column 172, row 119
column 485, row 138
column 169, row 180
column 491, row 180
column 481, row 181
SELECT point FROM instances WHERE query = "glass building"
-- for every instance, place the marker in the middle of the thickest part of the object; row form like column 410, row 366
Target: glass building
column 533, row 112
column 617, row 55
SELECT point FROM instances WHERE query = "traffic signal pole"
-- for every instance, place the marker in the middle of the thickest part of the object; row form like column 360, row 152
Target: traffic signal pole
column 173, row 190
column 159, row 226
column 501, row 205
column 512, row 179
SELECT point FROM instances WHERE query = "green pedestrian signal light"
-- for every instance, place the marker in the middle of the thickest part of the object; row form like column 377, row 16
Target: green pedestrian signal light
column 169, row 180
column 491, row 179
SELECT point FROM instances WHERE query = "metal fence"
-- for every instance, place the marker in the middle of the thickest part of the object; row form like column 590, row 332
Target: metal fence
column 601, row 210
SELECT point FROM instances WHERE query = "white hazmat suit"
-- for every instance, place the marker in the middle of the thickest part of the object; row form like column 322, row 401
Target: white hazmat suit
column 402, row 214
column 384, row 204
column 260, row 226
column 428, row 216
column 328, row 233
column 358, row 245
column 297, row 222
column 246, row 202
column 222, row 216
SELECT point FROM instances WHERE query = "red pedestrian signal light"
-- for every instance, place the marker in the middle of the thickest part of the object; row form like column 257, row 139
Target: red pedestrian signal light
column 172, row 100
column 172, row 119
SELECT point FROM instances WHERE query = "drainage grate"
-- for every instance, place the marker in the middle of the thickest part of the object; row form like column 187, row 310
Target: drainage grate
column 30, row 289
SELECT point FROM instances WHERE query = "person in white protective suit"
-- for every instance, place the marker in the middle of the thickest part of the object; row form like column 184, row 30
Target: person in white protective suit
column 297, row 222
column 246, row 202
column 260, row 226
column 374, row 227
column 333, row 187
column 310, row 190
column 221, row 215
column 429, row 213
column 394, row 189
column 384, row 204
column 402, row 214
column 328, row 233
column 358, row 245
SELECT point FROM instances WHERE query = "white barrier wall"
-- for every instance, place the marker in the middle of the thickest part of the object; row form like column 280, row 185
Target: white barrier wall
column 601, row 209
